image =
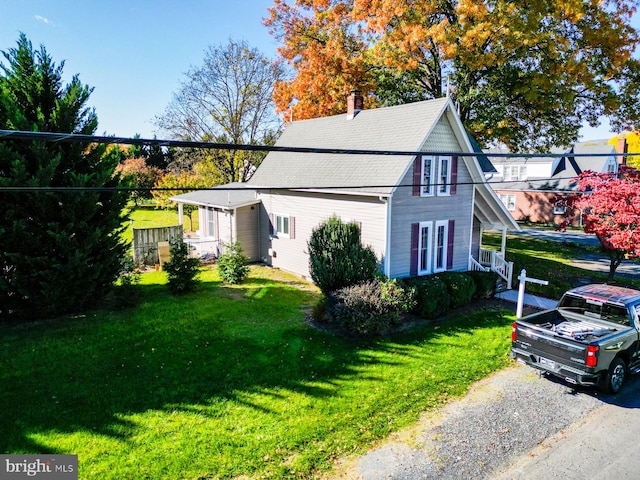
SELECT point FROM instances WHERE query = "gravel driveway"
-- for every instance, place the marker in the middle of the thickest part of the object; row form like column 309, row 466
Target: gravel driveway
column 502, row 418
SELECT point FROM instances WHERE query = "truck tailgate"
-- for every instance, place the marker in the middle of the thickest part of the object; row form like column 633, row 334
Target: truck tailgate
column 543, row 346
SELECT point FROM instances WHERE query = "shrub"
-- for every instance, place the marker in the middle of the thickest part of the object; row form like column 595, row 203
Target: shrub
column 397, row 294
column 125, row 294
column 485, row 283
column 432, row 296
column 337, row 258
column 319, row 310
column 460, row 286
column 361, row 309
column 233, row 266
column 182, row 270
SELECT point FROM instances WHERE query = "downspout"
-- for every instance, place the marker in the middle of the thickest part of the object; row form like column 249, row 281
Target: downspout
column 473, row 209
column 387, row 247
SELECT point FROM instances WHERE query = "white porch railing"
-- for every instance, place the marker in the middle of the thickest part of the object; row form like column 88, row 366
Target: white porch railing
column 494, row 260
column 475, row 266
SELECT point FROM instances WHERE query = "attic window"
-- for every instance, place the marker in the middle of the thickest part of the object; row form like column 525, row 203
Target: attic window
column 435, row 175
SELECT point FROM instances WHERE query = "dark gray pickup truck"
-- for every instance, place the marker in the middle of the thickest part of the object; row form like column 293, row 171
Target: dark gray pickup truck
column 591, row 338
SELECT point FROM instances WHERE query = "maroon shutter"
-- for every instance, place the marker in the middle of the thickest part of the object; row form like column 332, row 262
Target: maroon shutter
column 417, row 175
column 271, row 222
column 454, row 175
column 450, row 242
column 292, row 228
column 415, row 238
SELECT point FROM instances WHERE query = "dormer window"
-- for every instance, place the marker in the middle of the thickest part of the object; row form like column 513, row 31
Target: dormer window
column 513, row 173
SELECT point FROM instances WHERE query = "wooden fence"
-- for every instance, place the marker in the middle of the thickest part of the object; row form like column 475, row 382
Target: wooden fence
column 145, row 242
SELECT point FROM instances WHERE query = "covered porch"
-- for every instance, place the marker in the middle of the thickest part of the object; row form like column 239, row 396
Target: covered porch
column 226, row 214
column 490, row 214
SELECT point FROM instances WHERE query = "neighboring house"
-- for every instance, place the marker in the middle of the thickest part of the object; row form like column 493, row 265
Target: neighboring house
column 420, row 214
column 529, row 187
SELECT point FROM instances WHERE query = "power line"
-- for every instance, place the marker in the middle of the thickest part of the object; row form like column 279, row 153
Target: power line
column 76, row 137
column 224, row 188
column 6, row 135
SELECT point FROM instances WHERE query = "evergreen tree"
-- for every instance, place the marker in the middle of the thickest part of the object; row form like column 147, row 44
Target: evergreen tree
column 337, row 258
column 61, row 245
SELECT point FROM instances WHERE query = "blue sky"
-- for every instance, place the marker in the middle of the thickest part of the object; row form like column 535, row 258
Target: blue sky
column 135, row 53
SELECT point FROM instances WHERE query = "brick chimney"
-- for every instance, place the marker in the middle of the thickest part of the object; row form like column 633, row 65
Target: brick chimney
column 622, row 147
column 355, row 103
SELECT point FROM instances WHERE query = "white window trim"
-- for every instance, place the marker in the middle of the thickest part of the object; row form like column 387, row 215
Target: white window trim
column 444, row 181
column 445, row 240
column 506, row 201
column 429, row 247
column 437, row 184
column 278, row 233
column 519, row 170
column 210, row 218
column 426, row 189
column 559, row 209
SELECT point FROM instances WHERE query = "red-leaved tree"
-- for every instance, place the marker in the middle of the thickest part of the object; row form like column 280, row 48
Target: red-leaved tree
column 610, row 208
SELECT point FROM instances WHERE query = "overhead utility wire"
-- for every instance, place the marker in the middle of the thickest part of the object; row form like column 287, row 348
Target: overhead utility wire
column 76, row 137
column 223, row 188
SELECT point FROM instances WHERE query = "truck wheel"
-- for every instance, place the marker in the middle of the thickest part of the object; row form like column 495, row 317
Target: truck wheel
column 615, row 376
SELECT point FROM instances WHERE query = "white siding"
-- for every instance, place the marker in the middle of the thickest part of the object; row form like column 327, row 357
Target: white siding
column 309, row 210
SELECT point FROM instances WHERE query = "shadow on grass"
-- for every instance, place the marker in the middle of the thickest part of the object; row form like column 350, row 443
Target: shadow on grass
column 179, row 353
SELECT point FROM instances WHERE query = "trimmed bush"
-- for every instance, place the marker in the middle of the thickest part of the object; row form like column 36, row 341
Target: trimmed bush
column 398, row 295
column 485, row 283
column 337, row 258
column 361, row 309
column 460, row 286
column 233, row 266
column 182, row 270
column 431, row 294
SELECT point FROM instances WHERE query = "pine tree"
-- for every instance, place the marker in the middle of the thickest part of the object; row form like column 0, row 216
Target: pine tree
column 61, row 249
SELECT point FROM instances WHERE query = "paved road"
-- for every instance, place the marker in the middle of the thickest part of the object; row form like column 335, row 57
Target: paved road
column 603, row 445
column 568, row 236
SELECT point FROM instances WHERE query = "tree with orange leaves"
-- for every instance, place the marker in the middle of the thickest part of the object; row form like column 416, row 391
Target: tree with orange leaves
column 526, row 74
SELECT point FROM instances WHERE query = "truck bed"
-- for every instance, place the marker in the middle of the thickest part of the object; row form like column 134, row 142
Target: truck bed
column 564, row 324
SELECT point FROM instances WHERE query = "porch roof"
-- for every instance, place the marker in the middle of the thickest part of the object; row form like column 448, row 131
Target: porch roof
column 228, row 196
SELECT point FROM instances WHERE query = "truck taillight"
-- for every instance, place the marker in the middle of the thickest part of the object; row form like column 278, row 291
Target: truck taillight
column 514, row 331
column 592, row 355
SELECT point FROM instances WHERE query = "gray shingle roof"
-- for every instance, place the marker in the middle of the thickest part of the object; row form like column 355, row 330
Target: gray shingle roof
column 231, row 195
column 402, row 127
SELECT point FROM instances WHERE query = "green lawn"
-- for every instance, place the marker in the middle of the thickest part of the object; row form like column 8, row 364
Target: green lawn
column 550, row 261
column 227, row 382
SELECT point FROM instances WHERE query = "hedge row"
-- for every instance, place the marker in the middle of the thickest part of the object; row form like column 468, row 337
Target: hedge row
column 373, row 307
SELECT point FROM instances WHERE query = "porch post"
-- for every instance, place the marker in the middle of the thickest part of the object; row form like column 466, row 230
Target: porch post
column 503, row 249
column 180, row 214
